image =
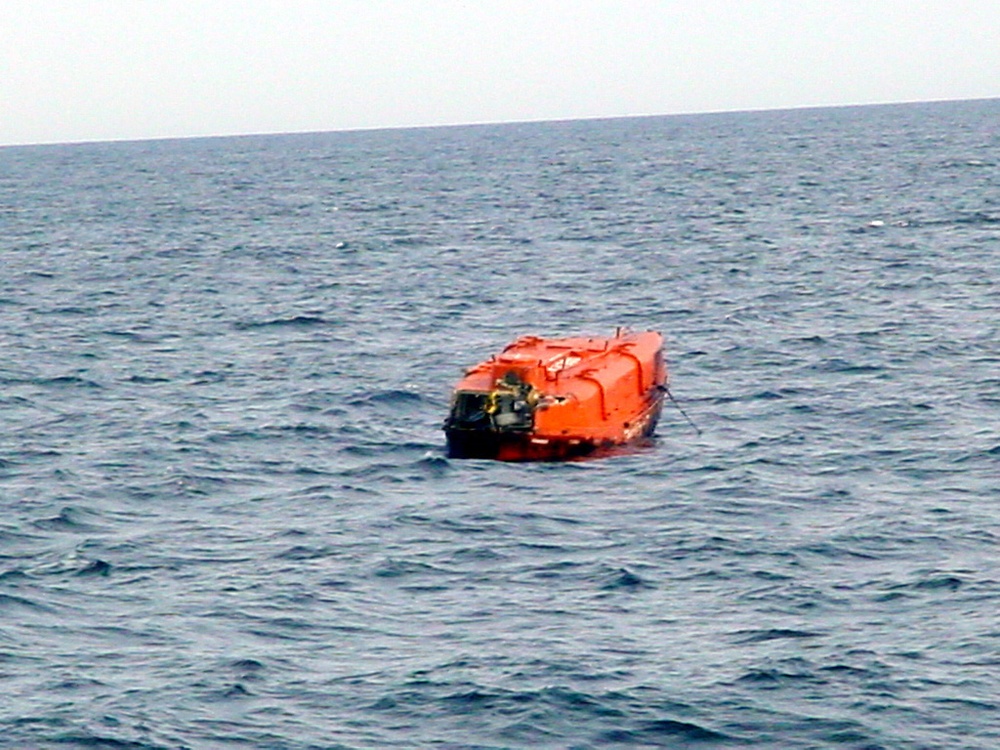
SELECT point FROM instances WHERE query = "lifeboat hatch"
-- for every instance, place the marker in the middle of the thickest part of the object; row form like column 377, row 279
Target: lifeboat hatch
column 469, row 411
column 509, row 407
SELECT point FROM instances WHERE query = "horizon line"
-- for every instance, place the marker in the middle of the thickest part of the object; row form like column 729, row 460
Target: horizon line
column 486, row 123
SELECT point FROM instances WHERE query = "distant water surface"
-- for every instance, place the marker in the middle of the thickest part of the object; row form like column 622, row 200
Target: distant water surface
column 228, row 520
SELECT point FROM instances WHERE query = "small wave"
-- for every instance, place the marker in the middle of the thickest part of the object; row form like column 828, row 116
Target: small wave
column 626, row 580
column 432, row 466
column 974, row 163
column 90, row 740
column 75, row 684
column 391, row 568
column 843, row 366
column 427, row 467
column 943, row 582
column 302, row 552
column 147, row 379
column 296, row 321
column 968, row 703
column 365, row 207
column 391, row 397
column 134, row 336
column 773, row 634
column 658, row 731
column 95, row 568
column 553, row 712
column 68, row 519
column 247, row 665
column 67, row 381
column 385, row 448
column 272, row 432
column 928, row 582
column 476, row 555
column 236, row 690
column 9, row 601
column 71, row 310
column 814, row 339
column 73, row 564
column 795, row 670
column 979, row 218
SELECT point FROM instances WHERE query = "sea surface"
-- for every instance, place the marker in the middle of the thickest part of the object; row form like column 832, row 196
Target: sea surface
column 228, row 520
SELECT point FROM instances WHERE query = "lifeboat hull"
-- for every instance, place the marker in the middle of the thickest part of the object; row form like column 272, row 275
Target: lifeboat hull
column 558, row 399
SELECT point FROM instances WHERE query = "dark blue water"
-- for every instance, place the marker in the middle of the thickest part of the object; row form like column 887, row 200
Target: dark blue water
column 228, row 520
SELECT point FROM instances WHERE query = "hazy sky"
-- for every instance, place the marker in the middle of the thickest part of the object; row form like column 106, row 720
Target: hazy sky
column 73, row 70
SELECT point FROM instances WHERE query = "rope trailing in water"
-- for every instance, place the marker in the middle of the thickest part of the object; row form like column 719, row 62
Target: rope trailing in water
column 666, row 390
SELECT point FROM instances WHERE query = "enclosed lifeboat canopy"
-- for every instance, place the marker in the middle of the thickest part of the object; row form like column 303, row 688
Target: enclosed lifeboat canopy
column 550, row 399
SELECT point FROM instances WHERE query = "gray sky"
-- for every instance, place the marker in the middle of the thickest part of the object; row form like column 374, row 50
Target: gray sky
column 74, row 70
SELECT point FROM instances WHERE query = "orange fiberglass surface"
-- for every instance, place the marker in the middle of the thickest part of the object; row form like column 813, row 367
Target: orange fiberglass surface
column 550, row 399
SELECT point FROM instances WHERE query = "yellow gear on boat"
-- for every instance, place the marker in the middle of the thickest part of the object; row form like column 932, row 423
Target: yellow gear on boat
column 492, row 405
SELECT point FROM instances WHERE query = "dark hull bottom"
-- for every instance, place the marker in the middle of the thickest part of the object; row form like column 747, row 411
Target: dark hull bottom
column 513, row 447
column 525, row 446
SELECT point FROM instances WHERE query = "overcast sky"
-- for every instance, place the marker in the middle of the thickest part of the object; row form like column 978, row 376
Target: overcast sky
column 74, row 70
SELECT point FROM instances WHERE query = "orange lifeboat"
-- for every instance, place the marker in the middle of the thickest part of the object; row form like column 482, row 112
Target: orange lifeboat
column 550, row 399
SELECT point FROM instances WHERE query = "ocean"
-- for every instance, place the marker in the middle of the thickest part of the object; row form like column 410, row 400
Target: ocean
column 228, row 519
